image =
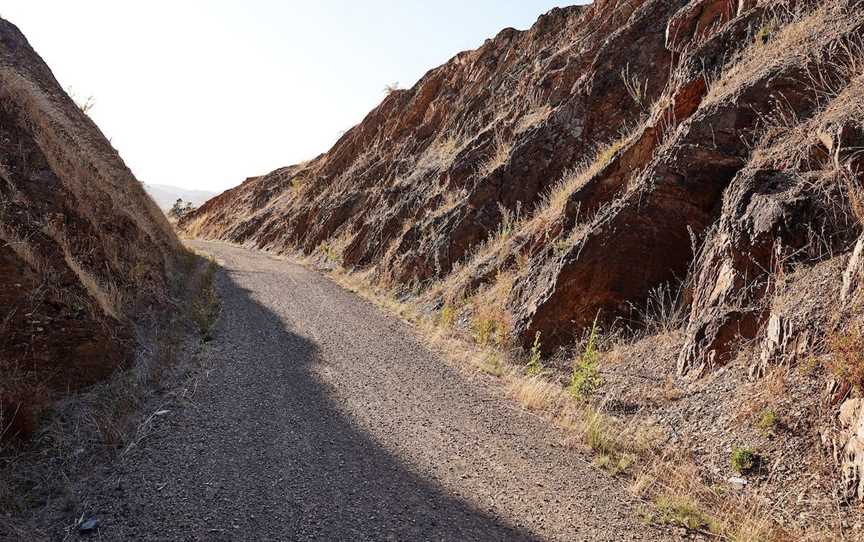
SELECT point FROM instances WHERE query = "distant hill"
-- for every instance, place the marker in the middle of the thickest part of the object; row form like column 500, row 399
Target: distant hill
column 165, row 195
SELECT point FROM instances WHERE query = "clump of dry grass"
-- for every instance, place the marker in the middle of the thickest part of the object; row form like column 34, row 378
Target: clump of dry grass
column 500, row 153
column 206, row 305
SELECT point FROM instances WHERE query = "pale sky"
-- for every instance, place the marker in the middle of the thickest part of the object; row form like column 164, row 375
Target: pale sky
column 203, row 94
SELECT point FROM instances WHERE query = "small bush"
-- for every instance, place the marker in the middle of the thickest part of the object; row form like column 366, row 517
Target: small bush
column 768, row 422
column 329, row 252
column 484, row 329
column 447, row 316
column 598, row 434
column 744, row 460
column 586, row 378
column 297, row 184
column 535, row 366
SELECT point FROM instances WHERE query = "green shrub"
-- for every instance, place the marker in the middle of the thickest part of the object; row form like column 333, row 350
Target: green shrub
column 744, row 460
column 768, row 421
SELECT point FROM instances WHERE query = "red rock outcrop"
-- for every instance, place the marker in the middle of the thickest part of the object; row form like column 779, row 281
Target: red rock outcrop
column 437, row 172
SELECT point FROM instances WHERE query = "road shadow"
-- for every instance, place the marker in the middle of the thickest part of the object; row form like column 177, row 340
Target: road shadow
column 266, row 454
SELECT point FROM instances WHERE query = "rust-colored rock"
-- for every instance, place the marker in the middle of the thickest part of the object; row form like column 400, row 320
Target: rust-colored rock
column 698, row 186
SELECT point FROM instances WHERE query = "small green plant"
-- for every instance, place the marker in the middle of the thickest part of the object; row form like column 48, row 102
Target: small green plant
column 744, row 460
column 768, row 421
column 447, row 316
column 615, row 464
column 329, row 252
column 484, row 329
column 586, row 378
column 535, row 366
column 492, row 364
column 683, row 512
column 598, row 434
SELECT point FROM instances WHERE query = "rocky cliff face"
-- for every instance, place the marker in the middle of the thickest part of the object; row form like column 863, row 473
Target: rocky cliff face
column 613, row 152
column 83, row 251
column 680, row 98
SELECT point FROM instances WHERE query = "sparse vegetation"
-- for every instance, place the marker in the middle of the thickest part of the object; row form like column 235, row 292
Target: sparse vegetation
column 331, row 255
column 637, row 88
column 681, row 511
column 500, row 153
column 534, row 365
column 484, row 330
column 766, row 31
column 586, row 378
column 846, row 355
column 297, row 184
column 205, row 306
column 744, row 460
column 447, row 316
column 768, row 422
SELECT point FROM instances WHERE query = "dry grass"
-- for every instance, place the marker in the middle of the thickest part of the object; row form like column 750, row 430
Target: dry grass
column 672, row 489
column 500, row 153
column 846, row 355
column 555, row 200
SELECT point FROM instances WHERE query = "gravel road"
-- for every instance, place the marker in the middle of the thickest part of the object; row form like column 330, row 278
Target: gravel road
column 325, row 419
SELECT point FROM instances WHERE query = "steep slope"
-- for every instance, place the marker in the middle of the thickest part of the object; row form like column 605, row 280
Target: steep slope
column 430, row 173
column 674, row 96
column 84, row 251
column 686, row 175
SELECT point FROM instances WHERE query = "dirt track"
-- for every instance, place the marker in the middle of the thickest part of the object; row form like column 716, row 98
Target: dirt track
column 325, row 419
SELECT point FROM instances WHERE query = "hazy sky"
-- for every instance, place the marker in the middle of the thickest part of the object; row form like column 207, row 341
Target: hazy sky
column 202, row 94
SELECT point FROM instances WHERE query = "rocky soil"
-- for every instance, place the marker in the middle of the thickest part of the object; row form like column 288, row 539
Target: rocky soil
column 684, row 169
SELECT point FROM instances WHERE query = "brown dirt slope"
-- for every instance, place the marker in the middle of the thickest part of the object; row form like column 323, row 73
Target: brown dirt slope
column 83, row 250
